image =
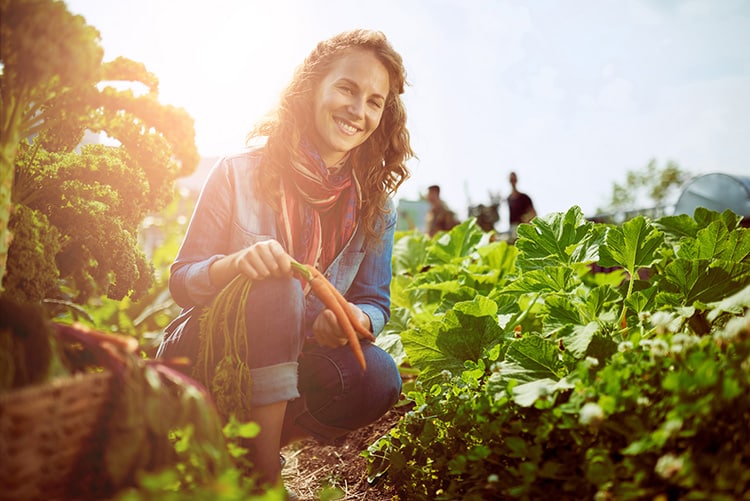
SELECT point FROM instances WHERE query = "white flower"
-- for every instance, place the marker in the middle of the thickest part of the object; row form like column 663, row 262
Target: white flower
column 735, row 329
column 493, row 478
column 681, row 342
column 668, row 466
column 659, row 347
column 663, row 321
column 625, row 346
column 591, row 362
column 591, row 415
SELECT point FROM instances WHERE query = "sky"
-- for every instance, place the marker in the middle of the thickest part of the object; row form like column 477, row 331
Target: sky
column 569, row 95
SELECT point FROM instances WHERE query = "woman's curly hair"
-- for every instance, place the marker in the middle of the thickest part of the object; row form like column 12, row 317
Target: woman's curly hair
column 380, row 162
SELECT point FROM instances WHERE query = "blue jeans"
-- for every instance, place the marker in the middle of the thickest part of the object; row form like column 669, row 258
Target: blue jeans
column 329, row 394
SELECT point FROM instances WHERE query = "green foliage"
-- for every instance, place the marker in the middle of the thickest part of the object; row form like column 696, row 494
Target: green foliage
column 45, row 53
column 540, row 380
column 650, row 185
column 90, row 201
column 145, row 317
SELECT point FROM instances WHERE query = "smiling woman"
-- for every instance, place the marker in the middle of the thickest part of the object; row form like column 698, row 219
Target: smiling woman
column 315, row 187
column 349, row 105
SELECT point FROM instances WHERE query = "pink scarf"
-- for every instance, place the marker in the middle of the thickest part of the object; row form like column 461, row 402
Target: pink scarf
column 318, row 210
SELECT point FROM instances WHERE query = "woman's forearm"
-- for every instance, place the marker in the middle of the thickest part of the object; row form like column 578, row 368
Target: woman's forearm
column 223, row 270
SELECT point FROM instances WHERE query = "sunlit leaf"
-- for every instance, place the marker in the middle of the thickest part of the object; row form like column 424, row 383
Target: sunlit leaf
column 557, row 239
column 632, row 245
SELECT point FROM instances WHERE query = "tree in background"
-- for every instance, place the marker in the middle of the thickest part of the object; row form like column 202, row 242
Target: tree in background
column 74, row 215
column 650, row 187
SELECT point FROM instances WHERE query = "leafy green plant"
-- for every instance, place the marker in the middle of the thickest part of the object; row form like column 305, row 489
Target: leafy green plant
column 540, row 378
column 75, row 214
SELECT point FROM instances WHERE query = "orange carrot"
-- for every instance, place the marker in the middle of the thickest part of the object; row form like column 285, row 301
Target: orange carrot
column 366, row 334
column 334, row 301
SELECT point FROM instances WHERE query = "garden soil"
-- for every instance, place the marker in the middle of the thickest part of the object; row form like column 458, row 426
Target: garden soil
column 312, row 466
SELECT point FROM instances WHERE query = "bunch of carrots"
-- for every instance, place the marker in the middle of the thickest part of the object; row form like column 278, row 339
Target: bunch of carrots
column 337, row 303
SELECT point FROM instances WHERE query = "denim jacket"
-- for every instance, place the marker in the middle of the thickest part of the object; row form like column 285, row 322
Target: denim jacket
column 229, row 216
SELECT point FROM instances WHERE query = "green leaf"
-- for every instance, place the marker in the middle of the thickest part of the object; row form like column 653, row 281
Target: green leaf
column 531, row 358
column 633, row 245
column 735, row 304
column 409, row 251
column 560, row 310
column 706, row 281
column 642, row 300
column 678, row 226
column 600, row 299
column 499, row 256
column 580, row 338
column 464, row 333
column 456, row 244
column 527, row 394
column 549, row 279
column 557, row 239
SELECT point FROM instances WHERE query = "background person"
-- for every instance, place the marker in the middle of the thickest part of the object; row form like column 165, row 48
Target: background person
column 520, row 207
column 315, row 184
column 439, row 217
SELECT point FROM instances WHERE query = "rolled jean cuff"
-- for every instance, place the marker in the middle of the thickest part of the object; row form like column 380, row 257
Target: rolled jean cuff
column 275, row 383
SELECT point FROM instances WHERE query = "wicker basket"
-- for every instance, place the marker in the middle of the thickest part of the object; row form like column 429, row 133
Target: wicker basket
column 51, row 438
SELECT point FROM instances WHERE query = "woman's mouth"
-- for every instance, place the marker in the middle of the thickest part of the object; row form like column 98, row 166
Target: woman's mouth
column 346, row 127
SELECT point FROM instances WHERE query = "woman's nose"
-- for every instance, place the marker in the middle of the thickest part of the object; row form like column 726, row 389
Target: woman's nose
column 356, row 107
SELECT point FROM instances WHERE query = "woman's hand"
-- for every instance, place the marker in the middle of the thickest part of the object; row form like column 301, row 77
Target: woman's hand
column 328, row 332
column 261, row 260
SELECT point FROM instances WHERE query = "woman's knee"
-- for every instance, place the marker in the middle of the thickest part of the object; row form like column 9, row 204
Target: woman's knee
column 382, row 379
column 340, row 394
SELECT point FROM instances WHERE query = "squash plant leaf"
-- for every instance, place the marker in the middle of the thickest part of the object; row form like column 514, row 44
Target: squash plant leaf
column 474, row 331
column 677, row 226
column 705, row 281
column 735, row 304
column 550, row 279
column 578, row 341
column 530, row 358
column 558, row 311
column 556, row 239
column 409, row 251
column 600, row 299
column 464, row 333
column 704, row 217
column 457, row 243
column 717, row 242
column 633, row 245
column 499, row 256
column 737, row 246
column 642, row 300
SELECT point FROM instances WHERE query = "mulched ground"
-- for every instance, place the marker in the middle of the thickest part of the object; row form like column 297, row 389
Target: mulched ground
column 312, row 467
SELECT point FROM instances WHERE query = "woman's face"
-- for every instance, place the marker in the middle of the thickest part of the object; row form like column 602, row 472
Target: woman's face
column 348, row 104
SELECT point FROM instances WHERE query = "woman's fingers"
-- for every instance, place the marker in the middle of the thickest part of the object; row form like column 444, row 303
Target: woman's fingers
column 327, row 331
column 264, row 259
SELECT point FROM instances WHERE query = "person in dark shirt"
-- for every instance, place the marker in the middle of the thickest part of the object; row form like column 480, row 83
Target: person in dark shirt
column 520, row 207
column 440, row 217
